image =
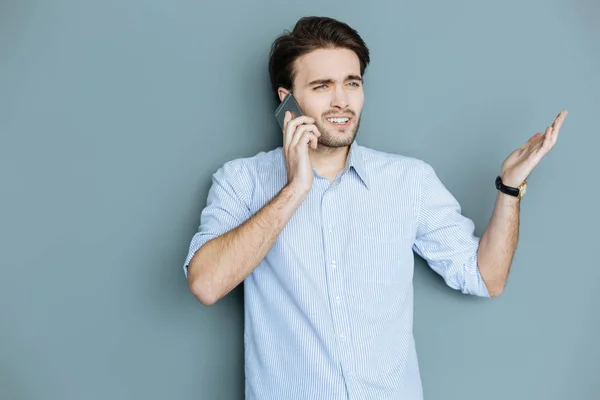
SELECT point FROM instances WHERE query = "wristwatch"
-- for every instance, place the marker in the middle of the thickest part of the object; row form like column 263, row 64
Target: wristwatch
column 513, row 191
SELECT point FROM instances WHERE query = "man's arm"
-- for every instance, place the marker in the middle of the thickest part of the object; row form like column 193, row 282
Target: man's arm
column 224, row 262
column 231, row 242
column 498, row 243
column 445, row 238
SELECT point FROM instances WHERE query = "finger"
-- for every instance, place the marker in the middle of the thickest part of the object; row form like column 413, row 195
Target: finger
column 558, row 123
column 533, row 138
column 293, row 125
column 548, row 142
column 314, row 141
column 300, row 137
column 560, row 119
column 301, row 120
column 308, row 138
column 286, row 121
column 533, row 143
column 303, row 129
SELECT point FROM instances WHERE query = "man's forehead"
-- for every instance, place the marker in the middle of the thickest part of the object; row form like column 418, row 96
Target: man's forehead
column 335, row 64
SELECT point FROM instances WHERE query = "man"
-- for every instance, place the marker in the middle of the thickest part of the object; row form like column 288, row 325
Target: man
column 322, row 233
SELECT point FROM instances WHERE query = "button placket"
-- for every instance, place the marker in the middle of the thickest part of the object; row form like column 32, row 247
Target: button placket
column 335, row 282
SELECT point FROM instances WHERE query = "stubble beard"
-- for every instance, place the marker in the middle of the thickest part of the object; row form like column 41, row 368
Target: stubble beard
column 338, row 138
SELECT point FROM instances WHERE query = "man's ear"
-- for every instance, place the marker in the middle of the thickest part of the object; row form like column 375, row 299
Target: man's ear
column 282, row 92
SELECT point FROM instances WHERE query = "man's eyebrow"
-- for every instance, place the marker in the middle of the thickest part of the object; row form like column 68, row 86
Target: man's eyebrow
column 329, row 80
column 354, row 78
column 320, row 81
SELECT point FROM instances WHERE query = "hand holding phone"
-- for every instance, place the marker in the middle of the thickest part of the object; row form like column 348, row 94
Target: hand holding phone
column 299, row 132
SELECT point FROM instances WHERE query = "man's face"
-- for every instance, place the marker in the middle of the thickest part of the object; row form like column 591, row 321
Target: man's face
column 328, row 88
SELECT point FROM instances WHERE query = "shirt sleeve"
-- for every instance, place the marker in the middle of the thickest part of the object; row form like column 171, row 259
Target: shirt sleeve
column 445, row 238
column 227, row 206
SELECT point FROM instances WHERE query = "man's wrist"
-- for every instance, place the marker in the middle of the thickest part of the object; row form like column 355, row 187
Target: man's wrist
column 507, row 180
column 506, row 199
column 508, row 186
column 294, row 193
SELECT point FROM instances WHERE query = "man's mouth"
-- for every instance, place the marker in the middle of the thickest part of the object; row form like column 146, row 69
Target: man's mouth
column 339, row 121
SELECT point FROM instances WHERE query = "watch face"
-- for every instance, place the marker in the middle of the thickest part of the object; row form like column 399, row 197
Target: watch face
column 522, row 190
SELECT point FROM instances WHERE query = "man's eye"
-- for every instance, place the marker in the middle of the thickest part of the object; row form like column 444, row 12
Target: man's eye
column 355, row 84
column 320, row 87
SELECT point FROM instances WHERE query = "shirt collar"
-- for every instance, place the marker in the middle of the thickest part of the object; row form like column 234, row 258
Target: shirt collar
column 355, row 160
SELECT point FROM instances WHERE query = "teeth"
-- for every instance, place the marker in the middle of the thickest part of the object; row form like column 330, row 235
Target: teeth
column 338, row 120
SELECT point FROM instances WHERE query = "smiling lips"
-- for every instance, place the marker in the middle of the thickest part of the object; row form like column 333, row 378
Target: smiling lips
column 339, row 121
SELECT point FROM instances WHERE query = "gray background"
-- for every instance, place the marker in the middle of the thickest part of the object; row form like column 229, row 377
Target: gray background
column 114, row 115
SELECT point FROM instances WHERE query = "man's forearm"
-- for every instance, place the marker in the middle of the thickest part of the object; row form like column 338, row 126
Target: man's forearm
column 224, row 262
column 499, row 242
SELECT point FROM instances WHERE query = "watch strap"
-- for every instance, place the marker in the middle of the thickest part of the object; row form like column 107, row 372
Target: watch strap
column 506, row 189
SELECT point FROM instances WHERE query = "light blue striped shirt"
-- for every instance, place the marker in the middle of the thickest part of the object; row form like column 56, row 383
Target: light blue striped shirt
column 329, row 310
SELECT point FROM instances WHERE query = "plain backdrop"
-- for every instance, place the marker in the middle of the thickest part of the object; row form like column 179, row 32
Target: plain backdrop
column 115, row 114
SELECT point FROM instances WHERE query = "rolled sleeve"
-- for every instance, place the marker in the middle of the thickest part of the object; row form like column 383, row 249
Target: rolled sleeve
column 227, row 206
column 445, row 238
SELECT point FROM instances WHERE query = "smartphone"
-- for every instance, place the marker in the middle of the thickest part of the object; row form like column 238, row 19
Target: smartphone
column 288, row 104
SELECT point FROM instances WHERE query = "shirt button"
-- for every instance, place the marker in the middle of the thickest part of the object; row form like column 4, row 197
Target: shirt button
column 338, row 299
column 330, row 228
column 342, row 336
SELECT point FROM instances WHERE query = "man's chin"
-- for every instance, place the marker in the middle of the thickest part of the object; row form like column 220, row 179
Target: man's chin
column 335, row 138
column 335, row 142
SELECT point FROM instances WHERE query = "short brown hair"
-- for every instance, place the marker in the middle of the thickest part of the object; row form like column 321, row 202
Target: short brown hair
column 311, row 33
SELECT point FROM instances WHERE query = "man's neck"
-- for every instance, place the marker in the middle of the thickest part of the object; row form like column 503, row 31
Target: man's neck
column 329, row 161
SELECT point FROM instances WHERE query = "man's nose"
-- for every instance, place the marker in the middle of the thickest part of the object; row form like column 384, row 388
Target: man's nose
column 340, row 98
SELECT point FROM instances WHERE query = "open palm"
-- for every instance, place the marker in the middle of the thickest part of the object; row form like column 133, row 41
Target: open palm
column 517, row 167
